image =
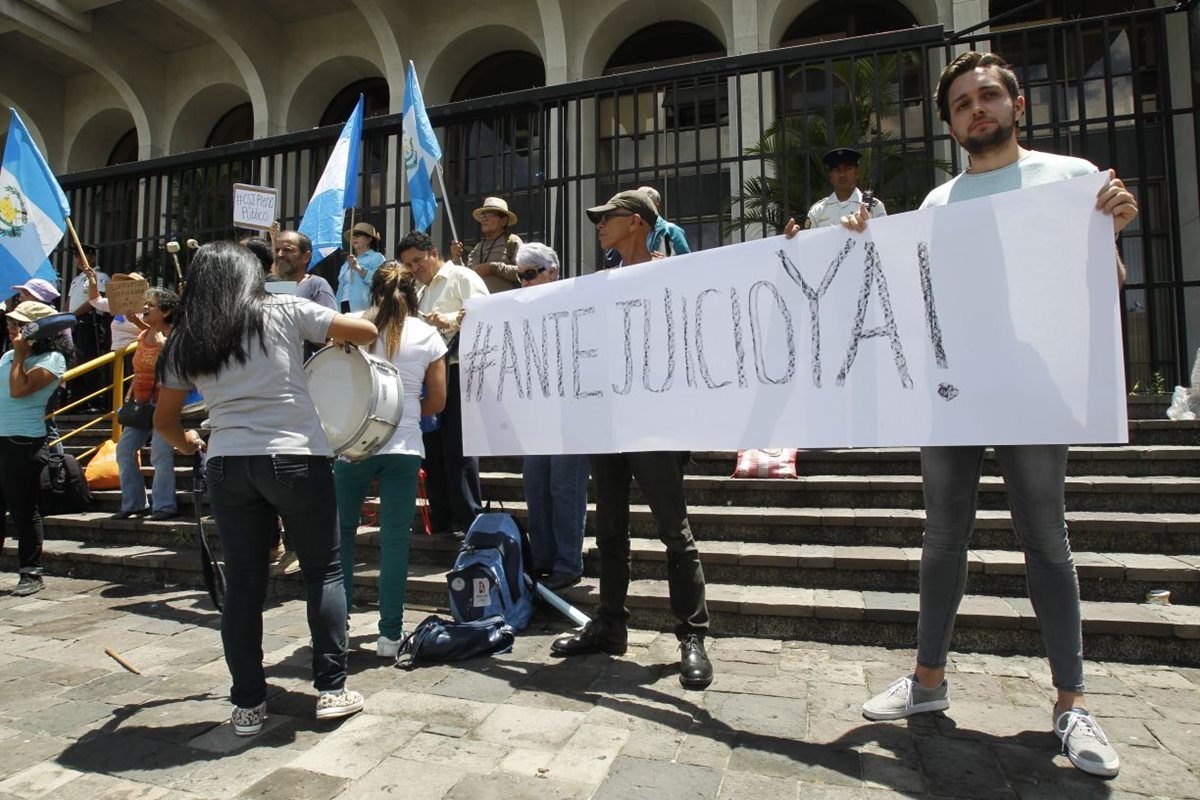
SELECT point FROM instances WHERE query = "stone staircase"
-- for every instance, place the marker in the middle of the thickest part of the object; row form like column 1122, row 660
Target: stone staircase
column 833, row 556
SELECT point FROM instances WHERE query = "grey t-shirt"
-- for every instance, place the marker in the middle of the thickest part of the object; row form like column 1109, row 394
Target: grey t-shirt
column 318, row 290
column 263, row 407
column 1034, row 169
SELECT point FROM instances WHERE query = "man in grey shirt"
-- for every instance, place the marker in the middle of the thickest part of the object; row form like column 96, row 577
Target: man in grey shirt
column 293, row 252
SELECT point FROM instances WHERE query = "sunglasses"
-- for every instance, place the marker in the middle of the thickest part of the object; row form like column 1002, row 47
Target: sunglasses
column 529, row 274
column 606, row 216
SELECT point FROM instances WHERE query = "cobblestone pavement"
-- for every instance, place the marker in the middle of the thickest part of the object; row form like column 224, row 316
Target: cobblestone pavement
column 781, row 720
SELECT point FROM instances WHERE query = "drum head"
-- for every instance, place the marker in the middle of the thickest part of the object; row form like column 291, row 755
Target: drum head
column 340, row 385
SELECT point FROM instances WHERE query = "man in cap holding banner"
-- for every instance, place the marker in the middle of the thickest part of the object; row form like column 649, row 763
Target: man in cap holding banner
column 623, row 224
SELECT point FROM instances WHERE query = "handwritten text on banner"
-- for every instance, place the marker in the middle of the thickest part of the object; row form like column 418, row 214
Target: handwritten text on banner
column 992, row 321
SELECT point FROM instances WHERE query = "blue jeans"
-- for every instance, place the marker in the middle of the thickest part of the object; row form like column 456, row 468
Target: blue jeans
column 133, row 486
column 1034, row 476
column 248, row 494
column 398, row 497
column 556, row 494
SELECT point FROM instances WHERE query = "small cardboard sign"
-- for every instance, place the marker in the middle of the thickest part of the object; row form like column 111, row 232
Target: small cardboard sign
column 254, row 206
column 126, row 296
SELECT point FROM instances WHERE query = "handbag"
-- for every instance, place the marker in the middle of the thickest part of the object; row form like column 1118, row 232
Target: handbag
column 136, row 415
column 438, row 640
column 102, row 471
column 766, row 463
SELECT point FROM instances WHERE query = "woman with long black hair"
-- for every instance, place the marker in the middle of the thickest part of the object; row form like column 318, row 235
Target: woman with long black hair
column 417, row 350
column 34, row 370
column 267, row 458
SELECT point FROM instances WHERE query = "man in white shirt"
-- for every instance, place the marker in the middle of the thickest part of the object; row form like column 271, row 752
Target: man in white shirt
column 842, row 166
column 451, row 480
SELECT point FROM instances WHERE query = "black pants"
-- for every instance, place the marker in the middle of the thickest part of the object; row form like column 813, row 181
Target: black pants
column 660, row 477
column 451, row 479
column 91, row 338
column 21, row 461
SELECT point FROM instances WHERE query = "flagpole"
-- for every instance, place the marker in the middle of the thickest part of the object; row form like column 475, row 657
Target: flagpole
column 78, row 246
column 446, row 202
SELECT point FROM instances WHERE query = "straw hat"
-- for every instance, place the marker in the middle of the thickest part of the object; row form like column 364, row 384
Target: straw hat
column 362, row 227
column 495, row 204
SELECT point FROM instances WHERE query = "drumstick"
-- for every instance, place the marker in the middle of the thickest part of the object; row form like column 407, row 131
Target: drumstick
column 115, row 656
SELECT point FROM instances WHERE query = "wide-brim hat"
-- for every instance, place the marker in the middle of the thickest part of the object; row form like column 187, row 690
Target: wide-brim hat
column 31, row 311
column 632, row 200
column 40, row 288
column 364, row 228
column 841, row 155
column 494, row 204
column 132, row 276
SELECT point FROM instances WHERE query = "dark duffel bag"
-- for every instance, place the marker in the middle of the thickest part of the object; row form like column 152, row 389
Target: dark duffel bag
column 438, row 640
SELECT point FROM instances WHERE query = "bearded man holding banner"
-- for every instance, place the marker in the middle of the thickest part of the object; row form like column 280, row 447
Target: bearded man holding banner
column 623, row 224
column 979, row 99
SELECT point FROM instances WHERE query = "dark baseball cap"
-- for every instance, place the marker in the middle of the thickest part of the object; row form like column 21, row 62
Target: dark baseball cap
column 629, row 200
column 841, row 155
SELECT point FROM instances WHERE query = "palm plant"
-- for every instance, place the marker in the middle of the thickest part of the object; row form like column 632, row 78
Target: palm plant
column 864, row 97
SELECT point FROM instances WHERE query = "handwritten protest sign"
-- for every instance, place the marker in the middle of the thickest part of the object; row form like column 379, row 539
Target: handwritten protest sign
column 253, row 206
column 126, row 296
column 983, row 322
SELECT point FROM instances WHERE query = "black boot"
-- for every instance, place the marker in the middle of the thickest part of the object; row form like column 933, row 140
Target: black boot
column 695, row 670
column 596, row 637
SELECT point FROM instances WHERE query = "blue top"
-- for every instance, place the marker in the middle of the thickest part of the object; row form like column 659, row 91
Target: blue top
column 1033, row 169
column 672, row 233
column 22, row 416
column 356, row 290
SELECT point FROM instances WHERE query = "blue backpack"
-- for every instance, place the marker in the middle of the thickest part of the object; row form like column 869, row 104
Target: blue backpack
column 489, row 576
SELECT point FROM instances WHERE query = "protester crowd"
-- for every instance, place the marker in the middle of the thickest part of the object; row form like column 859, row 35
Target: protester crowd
column 241, row 340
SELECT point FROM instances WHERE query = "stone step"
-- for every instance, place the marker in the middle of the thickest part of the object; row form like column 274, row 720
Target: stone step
column 1098, row 532
column 1111, row 576
column 1112, row 631
column 1095, row 493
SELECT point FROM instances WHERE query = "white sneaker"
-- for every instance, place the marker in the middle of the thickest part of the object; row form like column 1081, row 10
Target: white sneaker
column 906, row 697
column 387, row 648
column 249, row 721
column 1085, row 743
column 335, row 705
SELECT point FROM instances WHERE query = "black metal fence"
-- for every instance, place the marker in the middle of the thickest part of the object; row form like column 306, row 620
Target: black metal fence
column 734, row 146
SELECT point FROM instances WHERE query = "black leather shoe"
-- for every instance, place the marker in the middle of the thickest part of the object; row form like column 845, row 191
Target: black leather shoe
column 695, row 670
column 162, row 515
column 141, row 512
column 596, row 637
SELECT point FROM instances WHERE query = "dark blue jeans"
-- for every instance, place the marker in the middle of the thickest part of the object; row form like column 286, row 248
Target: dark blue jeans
column 248, row 494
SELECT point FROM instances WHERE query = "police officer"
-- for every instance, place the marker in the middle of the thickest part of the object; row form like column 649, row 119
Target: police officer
column 842, row 166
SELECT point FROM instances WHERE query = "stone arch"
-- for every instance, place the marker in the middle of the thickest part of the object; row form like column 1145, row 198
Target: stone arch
column 318, row 87
column 95, row 139
column 459, row 56
column 30, row 125
column 198, row 115
column 631, row 16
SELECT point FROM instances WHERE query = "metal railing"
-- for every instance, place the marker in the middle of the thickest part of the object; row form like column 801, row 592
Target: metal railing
column 734, row 144
column 116, row 388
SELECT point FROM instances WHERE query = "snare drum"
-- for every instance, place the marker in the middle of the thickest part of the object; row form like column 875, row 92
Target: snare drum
column 358, row 397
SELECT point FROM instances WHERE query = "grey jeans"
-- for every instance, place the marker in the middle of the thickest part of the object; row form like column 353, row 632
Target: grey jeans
column 1034, row 476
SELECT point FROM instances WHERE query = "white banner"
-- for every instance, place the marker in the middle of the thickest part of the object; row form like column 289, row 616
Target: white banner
column 991, row 321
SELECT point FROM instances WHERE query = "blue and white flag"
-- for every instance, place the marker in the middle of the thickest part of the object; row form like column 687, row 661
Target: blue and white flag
column 335, row 192
column 421, row 153
column 33, row 210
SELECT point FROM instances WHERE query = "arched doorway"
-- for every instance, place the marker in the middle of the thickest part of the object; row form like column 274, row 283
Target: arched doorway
column 668, row 135
column 835, row 19
column 235, row 125
column 500, row 155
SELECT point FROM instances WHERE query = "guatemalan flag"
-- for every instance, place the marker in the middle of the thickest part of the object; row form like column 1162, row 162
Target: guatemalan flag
column 421, row 153
column 335, row 192
column 33, row 210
